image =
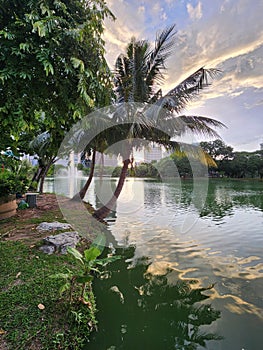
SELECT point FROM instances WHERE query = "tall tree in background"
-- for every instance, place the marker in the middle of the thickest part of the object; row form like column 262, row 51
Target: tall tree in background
column 52, row 66
column 138, row 76
column 217, row 149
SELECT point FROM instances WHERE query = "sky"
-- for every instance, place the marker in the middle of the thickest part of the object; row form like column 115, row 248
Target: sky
column 223, row 34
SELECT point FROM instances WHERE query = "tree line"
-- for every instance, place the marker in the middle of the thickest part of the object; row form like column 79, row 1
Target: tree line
column 231, row 163
column 227, row 163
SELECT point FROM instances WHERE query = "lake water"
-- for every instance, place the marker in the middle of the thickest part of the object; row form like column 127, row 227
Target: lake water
column 192, row 267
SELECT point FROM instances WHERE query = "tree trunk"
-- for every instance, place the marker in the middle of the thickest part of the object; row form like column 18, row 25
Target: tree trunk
column 102, row 212
column 37, row 175
column 44, row 174
column 84, row 189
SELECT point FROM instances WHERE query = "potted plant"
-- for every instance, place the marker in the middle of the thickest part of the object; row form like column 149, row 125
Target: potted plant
column 14, row 179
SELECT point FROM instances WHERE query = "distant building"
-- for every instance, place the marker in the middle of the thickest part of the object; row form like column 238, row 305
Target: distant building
column 261, row 146
column 154, row 152
column 107, row 160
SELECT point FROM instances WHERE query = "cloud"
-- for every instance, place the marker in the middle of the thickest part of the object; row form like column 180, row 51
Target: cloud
column 129, row 22
column 227, row 34
column 253, row 105
column 194, row 12
column 223, row 6
column 163, row 16
column 141, row 9
column 220, row 41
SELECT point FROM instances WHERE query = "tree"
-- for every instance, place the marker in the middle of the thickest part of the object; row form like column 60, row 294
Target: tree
column 138, row 75
column 42, row 146
column 217, row 149
column 52, row 65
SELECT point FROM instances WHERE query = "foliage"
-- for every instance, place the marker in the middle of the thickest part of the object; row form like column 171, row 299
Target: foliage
column 88, row 265
column 52, row 66
column 14, row 175
column 146, row 170
column 11, row 183
column 217, row 149
column 231, row 163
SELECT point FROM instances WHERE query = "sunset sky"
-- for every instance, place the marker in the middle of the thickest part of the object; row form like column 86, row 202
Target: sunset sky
column 224, row 34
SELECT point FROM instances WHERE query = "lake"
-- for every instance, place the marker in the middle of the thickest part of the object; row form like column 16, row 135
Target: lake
column 192, row 268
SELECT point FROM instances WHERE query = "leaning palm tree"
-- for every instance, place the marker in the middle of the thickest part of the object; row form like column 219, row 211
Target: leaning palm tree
column 138, row 77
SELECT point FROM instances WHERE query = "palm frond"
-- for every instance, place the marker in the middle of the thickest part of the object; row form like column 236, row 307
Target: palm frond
column 195, row 152
column 155, row 97
column 40, row 142
column 155, row 64
column 201, row 125
column 122, row 78
column 177, row 98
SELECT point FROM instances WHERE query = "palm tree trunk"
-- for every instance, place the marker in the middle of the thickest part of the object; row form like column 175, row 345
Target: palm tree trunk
column 84, row 189
column 102, row 212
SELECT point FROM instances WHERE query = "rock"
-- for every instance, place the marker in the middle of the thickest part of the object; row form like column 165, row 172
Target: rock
column 60, row 242
column 53, row 226
column 48, row 249
column 64, row 248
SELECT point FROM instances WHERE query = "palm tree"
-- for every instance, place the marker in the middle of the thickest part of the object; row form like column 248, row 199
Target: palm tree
column 41, row 145
column 138, row 76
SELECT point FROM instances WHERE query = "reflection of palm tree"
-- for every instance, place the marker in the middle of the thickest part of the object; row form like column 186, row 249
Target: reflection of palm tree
column 138, row 75
column 151, row 313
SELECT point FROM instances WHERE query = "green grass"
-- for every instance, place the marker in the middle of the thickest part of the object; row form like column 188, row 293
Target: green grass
column 25, row 283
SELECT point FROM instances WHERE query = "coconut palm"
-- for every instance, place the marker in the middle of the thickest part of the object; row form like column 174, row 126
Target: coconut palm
column 138, row 77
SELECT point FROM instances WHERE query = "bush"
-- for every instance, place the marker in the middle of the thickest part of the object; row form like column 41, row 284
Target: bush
column 14, row 177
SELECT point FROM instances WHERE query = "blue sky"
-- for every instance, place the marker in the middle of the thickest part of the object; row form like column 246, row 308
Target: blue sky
column 224, row 34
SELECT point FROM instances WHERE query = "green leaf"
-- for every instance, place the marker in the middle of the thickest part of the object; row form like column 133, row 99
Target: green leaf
column 77, row 255
column 99, row 242
column 40, row 27
column 110, row 259
column 77, row 63
column 92, row 253
column 25, row 47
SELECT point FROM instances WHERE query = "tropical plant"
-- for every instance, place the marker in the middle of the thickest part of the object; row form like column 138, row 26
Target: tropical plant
column 14, row 174
column 88, row 264
column 52, row 60
column 138, row 76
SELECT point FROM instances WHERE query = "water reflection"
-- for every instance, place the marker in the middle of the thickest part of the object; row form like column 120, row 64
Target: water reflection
column 143, row 309
column 219, row 242
column 225, row 196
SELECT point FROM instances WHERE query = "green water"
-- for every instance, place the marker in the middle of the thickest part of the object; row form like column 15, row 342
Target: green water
column 192, row 268
column 176, row 247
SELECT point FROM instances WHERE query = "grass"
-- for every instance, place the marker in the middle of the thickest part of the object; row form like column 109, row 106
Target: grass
column 25, row 284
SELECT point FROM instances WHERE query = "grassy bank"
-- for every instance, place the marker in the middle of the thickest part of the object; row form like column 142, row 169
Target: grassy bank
column 33, row 315
column 25, row 287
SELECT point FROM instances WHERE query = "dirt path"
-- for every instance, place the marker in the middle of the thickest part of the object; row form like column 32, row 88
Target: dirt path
column 23, row 225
